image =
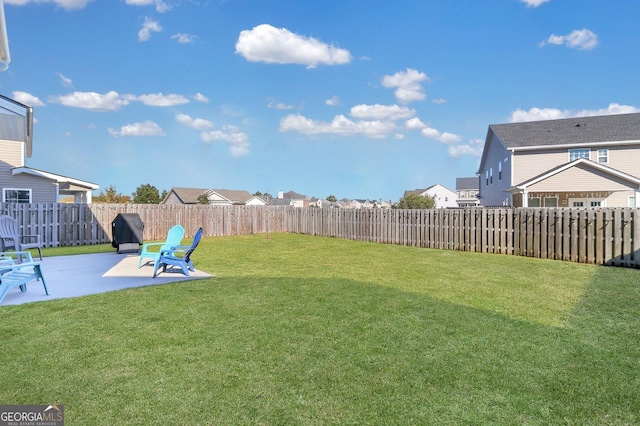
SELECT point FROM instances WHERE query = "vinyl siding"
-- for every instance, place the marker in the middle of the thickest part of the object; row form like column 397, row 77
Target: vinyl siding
column 11, row 154
column 494, row 193
column 172, row 198
column 626, row 159
column 581, row 179
column 620, row 199
column 528, row 164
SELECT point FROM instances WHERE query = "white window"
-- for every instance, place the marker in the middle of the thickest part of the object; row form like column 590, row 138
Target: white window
column 499, row 171
column 486, row 175
column 586, row 202
column 472, row 194
column 603, row 156
column 574, row 154
column 551, row 202
column 534, row 202
column 631, row 202
column 16, row 195
column 462, row 194
column 491, row 175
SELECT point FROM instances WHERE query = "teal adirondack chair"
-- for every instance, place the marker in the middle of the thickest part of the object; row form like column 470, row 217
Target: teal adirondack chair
column 14, row 274
column 179, row 256
column 153, row 250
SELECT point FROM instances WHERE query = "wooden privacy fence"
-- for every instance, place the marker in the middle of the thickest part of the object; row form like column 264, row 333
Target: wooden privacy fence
column 607, row 236
column 83, row 224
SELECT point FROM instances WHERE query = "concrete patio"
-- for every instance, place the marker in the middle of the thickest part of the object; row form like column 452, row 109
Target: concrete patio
column 81, row 275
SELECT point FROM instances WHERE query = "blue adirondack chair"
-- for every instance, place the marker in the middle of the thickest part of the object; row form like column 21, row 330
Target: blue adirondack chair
column 179, row 256
column 153, row 250
column 14, row 274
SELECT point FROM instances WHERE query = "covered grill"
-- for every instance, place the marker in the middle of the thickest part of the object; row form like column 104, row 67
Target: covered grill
column 127, row 230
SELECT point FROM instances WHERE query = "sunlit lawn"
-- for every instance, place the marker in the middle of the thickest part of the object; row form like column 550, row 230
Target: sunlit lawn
column 308, row 330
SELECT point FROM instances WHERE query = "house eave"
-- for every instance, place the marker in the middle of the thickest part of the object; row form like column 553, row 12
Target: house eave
column 572, row 145
column 54, row 177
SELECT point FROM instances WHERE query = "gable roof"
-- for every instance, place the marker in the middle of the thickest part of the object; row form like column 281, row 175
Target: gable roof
column 581, row 161
column 187, row 195
column 467, row 183
column 292, row 195
column 232, row 195
column 431, row 188
column 569, row 131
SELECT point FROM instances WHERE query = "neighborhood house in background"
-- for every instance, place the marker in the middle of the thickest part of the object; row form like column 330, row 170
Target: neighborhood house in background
column 467, row 189
column 218, row 197
column 573, row 162
column 443, row 196
column 22, row 184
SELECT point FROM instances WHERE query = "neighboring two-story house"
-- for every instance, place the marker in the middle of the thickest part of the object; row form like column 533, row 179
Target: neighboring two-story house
column 573, row 162
column 467, row 189
column 22, row 184
column 443, row 196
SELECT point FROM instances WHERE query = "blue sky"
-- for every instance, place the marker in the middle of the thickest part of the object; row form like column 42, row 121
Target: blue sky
column 354, row 98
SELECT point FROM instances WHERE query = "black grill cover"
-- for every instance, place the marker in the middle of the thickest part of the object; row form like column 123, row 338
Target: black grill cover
column 127, row 228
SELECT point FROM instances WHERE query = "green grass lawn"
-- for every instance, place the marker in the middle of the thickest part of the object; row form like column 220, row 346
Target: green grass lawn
column 303, row 330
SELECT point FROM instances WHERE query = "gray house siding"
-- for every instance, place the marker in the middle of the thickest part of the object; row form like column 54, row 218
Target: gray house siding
column 42, row 190
column 493, row 182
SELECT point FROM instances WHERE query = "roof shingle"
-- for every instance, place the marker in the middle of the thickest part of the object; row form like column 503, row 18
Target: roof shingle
column 570, row 131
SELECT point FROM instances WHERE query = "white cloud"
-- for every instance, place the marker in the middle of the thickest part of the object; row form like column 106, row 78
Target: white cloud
column 272, row 103
column 534, row 3
column 184, row 38
column 473, row 148
column 162, row 100
column 414, row 123
column 27, row 99
column 334, row 101
column 199, row 97
column 160, row 5
column 66, row 82
column 381, row 112
column 340, row 125
column 408, row 85
column 146, row 128
column 110, row 101
column 439, row 101
column 148, row 26
column 445, row 137
column 265, row 43
column 65, row 4
column 194, row 123
column 578, row 39
column 237, row 140
column 535, row 114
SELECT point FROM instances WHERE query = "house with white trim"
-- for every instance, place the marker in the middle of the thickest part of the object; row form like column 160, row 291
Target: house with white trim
column 467, row 190
column 22, row 184
column 443, row 196
column 218, row 197
column 573, row 162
